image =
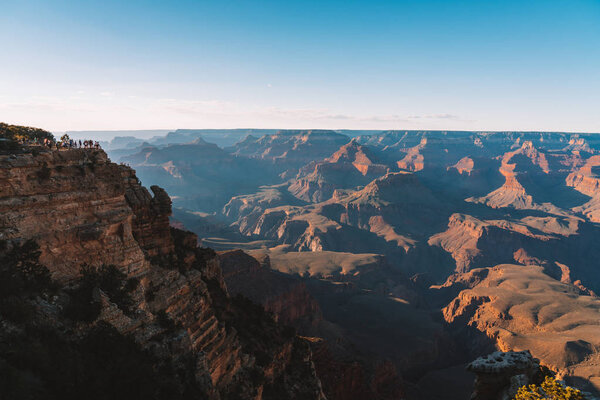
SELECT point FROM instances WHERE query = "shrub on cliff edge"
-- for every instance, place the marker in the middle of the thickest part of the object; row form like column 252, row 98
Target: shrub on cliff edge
column 550, row 389
column 21, row 276
column 108, row 278
column 17, row 132
column 42, row 363
column 20, row 270
column 12, row 135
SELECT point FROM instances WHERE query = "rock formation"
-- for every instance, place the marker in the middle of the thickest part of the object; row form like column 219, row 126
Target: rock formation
column 291, row 149
column 351, row 166
column 395, row 277
column 202, row 166
column 82, row 209
column 500, row 375
column 522, row 308
column 280, row 294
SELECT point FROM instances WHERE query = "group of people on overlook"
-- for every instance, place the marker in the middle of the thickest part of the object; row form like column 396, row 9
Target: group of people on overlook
column 69, row 143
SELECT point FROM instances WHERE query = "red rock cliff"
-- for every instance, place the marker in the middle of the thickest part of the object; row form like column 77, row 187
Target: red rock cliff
column 83, row 209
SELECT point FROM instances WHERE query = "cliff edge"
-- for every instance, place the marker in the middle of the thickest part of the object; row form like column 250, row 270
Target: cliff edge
column 116, row 269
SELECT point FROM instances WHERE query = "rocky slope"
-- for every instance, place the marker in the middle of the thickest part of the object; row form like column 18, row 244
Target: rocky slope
column 585, row 180
column 84, row 210
column 202, row 166
column 534, row 180
column 524, row 309
column 373, row 214
column 371, row 248
column 73, row 203
column 288, row 150
column 352, row 165
column 281, row 294
column 555, row 243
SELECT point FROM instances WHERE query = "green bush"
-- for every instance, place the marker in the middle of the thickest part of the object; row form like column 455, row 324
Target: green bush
column 107, row 278
column 17, row 132
column 169, row 261
column 102, row 364
column 20, row 270
column 44, row 173
column 16, row 309
column 550, row 389
column 21, row 276
column 166, row 322
column 11, row 137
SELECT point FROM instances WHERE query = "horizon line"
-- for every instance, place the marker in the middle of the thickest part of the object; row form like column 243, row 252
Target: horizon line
column 169, row 130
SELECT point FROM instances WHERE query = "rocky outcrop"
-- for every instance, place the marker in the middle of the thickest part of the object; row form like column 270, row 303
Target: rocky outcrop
column 150, row 225
column 82, row 209
column 193, row 173
column 352, row 165
column 414, row 160
column 512, row 193
column 291, row 148
column 436, row 151
column 242, row 206
column 520, row 307
column 534, row 179
column 546, row 241
column 586, row 179
column 73, row 204
column 365, row 220
column 474, row 243
column 500, row 375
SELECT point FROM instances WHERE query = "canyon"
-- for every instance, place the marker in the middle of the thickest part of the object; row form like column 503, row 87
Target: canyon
column 84, row 211
column 345, row 265
column 383, row 228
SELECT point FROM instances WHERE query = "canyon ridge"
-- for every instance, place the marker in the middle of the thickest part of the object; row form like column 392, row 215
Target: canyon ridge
column 298, row 264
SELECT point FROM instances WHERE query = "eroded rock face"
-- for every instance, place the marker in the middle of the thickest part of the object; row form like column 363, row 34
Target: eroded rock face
column 366, row 220
column 520, row 307
column 501, row 374
column 291, row 149
column 81, row 208
column 586, row 181
column 352, row 165
column 151, row 222
column 193, row 173
column 73, row 204
column 283, row 295
column 545, row 241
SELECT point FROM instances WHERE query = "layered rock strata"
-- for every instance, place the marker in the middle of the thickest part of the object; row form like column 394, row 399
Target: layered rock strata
column 83, row 209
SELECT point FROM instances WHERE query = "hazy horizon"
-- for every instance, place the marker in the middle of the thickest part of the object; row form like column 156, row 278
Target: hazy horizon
column 108, row 135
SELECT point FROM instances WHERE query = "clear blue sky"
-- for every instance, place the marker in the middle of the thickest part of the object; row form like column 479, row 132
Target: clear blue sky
column 482, row 65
